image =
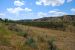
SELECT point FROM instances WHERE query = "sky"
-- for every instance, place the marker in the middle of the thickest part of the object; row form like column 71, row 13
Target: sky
column 33, row 9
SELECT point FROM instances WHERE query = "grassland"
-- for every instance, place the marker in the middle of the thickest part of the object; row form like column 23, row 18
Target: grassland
column 22, row 37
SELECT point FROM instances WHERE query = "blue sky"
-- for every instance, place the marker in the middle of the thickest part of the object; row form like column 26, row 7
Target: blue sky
column 32, row 9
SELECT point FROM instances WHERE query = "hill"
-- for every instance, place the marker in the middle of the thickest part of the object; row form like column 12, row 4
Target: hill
column 66, row 18
column 21, row 37
column 50, row 33
column 63, row 23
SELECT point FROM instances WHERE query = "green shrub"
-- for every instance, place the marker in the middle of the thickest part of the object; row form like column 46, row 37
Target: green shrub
column 13, row 27
column 51, row 43
column 52, row 25
column 24, row 34
column 31, row 42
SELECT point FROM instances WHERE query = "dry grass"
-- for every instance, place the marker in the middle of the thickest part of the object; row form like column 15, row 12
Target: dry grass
column 63, row 40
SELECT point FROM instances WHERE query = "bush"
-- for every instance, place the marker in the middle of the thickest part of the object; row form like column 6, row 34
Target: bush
column 41, row 39
column 51, row 44
column 52, row 25
column 24, row 34
column 31, row 42
column 13, row 27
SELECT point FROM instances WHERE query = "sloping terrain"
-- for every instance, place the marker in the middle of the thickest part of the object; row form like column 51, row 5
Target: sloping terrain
column 21, row 37
column 65, row 18
column 63, row 40
column 9, row 40
column 64, row 23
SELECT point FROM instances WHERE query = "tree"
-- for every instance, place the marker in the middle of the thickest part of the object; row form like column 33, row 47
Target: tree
column 6, row 20
column 1, row 19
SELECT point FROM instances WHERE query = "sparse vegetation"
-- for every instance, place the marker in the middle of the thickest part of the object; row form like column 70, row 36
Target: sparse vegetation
column 26, row 37
column 4, row 41
column 31, row 42
column 51, row 44
column 13, row 27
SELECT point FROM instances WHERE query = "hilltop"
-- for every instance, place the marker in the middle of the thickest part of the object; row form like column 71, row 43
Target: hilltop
column 66, row 18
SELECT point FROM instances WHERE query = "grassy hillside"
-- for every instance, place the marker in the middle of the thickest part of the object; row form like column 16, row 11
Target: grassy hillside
column 63, row 23
column 65, row 18
column 12, row 37
column 9, row 40
column 21, row 37
column 62, row 40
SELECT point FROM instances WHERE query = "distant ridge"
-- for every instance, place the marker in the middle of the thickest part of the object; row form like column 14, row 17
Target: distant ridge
column 65, row 18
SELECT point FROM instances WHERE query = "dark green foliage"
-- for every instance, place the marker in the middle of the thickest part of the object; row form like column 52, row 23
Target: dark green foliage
column 31, row 42
column 6, row 20
column 52, row 25
column 1, row 19
column 24, row 34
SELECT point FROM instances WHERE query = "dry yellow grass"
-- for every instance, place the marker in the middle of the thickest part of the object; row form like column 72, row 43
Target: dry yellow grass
column 63, row 40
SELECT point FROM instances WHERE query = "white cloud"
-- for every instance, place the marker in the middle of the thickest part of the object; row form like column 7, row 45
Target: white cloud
column 41, row 14
column 69, row 1
column 73, row 9
column 38, row 3
column 2, row 14
column 14, row 10
column 18, row 3
column 56, row 13
column 50, row 2
column 18, row 9
column 27, row 9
